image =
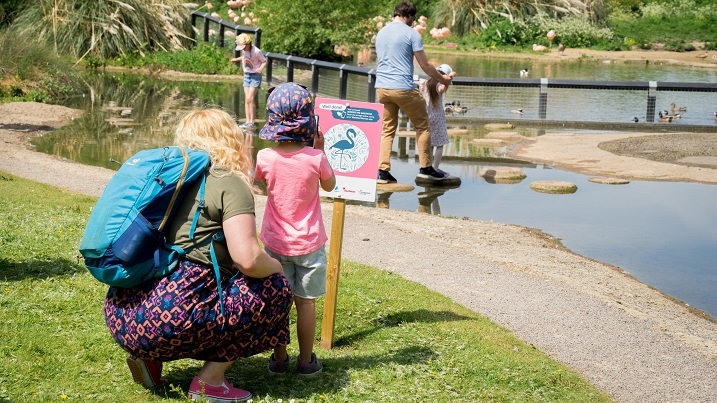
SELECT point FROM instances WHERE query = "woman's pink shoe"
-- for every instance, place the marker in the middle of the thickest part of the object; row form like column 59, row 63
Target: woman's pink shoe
column 147, row 373
column 225, row 392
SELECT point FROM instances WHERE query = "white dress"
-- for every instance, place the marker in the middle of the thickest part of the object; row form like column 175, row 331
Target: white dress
column 436, row 117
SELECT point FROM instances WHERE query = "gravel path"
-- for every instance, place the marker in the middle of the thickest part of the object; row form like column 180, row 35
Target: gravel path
column 631, row 341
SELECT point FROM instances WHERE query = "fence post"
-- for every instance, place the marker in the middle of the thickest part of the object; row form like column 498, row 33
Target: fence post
column 651, row 100
column 343, row 80
column 222, row 28
column 543, row 99
column 314, row 78
column 257, row 38
column 269, row 64
column 289, row 69
column 371, row 86
column 192, row 34
column 206, row 30
column 234, row 48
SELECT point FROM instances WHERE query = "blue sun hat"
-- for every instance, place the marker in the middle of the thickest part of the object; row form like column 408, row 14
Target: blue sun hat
column 290, row 114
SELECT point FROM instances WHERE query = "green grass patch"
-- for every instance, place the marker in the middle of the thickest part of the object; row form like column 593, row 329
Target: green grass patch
column 205, row 58
column 394, row 340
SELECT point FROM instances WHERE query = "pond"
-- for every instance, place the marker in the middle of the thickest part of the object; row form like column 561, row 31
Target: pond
column 663, row 233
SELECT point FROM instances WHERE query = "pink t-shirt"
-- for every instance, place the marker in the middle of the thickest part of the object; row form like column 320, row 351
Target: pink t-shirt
column 253, row 59
column 293, row 224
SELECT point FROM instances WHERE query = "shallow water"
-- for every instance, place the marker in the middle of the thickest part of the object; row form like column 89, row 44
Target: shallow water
column 663, row 233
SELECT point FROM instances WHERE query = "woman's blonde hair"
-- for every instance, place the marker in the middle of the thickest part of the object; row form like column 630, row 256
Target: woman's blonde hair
column 216, row 132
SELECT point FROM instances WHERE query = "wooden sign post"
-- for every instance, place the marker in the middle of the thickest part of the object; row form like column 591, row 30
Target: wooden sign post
column 352, row 136
column 332, row 274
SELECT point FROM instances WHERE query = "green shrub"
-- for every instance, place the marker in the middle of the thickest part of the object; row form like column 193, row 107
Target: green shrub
column 578, row 32
column 33, row 72
column 313, row 29
column 679, row 46
column 505, row 33
column 206, row 58
column 668, row 21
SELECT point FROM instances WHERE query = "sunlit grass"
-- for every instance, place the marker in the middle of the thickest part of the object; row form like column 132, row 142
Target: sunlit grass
column 394, row 340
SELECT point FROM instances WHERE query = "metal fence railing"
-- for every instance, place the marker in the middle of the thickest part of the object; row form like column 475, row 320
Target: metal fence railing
column 209, row 21
column 542, row 101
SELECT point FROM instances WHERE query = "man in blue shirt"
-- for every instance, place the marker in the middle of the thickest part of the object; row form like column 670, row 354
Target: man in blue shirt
column 396, row 46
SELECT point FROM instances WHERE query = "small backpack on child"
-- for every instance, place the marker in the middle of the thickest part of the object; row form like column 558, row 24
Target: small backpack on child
column 124, row 242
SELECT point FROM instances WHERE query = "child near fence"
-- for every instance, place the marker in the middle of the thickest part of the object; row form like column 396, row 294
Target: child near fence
column 433, row 92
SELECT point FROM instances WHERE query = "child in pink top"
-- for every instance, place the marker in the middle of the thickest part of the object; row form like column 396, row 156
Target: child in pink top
column 253, row 63
column 293, row 228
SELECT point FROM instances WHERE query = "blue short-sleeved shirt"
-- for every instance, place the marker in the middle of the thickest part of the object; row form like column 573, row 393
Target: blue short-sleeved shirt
column 395, row 44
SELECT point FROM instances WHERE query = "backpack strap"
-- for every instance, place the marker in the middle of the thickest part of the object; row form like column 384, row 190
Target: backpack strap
column 217, row 236
column 200, row 206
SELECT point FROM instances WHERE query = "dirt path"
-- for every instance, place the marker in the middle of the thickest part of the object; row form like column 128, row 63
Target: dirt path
column 628, row 339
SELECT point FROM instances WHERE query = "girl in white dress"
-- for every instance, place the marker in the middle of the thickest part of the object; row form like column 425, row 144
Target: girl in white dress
column 433, row 92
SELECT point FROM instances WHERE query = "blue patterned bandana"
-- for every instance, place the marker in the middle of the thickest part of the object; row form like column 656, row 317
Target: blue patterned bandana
column 290, row 114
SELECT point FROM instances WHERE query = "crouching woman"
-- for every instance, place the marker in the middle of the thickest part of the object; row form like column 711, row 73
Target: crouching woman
column 181, row 315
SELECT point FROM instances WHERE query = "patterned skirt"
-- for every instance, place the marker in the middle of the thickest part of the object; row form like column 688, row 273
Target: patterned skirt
column 178, row 316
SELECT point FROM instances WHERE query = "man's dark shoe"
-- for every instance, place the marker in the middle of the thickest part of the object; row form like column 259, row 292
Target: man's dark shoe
column 385, row 177
column 430, row 173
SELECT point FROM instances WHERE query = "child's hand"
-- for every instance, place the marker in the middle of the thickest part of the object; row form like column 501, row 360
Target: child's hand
column 319, row 140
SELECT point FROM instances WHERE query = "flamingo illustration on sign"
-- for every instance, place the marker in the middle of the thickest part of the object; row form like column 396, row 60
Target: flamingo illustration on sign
column 341, row 146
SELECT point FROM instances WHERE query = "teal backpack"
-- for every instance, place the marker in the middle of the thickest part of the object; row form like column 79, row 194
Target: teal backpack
column 124, row 242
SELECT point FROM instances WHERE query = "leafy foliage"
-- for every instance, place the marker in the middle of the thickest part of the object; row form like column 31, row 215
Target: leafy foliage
column 8, row 10
column 573, row 31
column 668, row 22
column 32, row 72
column 470, row 16
column 106, row 28
column 205, row 58
column 313, row 29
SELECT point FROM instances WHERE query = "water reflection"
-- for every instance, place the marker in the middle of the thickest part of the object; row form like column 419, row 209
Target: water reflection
column 662, row 233
column 126, row 113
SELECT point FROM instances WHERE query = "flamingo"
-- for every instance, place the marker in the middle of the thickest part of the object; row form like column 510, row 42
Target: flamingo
column 342, row 146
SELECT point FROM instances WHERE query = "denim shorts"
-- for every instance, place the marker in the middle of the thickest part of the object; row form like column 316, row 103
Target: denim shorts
column 306, row 273
column 252, row 80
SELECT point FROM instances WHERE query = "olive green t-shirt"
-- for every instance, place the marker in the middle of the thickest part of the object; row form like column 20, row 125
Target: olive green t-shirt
column 224, row 197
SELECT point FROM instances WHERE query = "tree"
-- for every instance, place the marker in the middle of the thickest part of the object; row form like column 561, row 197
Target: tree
column 312, row 29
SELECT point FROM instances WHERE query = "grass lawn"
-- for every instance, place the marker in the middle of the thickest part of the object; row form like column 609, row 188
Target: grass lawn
column 394, row 339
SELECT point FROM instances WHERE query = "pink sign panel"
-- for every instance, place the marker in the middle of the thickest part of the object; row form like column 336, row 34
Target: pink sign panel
column 352, row 132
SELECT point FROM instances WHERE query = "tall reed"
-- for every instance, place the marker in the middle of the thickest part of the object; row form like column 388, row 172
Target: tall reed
column 104, row 29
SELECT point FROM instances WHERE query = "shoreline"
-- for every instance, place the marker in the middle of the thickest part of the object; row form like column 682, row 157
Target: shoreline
column 638, row 345
column 635, row 56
